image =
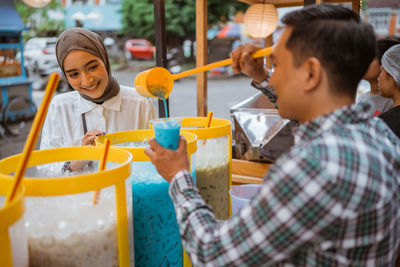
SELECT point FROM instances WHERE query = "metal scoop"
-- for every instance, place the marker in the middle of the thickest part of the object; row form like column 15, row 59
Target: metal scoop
column 158, row 81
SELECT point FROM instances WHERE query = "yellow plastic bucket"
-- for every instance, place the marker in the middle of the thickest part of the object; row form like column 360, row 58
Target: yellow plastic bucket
column 156, row 82
column 112, row 183
column 157, row 239
column 213, row 161
column 13, row 240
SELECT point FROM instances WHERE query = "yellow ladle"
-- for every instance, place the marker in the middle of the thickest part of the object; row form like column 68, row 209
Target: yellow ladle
column 158, row 81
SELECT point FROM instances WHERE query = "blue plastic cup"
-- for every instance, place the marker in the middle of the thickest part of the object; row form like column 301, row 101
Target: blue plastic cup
column 166, row 132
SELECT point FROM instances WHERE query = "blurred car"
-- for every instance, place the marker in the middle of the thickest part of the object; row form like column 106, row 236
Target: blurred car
column 108, row 41
column 40, row 54
column 63, row 85
column 139, row 49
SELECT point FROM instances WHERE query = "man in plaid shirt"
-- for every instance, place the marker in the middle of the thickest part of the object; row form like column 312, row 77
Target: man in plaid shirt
column 333, row 199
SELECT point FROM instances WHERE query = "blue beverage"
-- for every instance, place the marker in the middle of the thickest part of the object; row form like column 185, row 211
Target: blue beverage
column 166, row 132
column 165, row 106
column 156, row 233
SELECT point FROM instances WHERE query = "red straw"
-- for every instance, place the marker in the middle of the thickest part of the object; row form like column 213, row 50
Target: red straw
column 209, row 118
column 102, row 167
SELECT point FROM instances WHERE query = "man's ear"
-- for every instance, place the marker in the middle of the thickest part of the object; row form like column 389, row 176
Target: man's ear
column 313, row 70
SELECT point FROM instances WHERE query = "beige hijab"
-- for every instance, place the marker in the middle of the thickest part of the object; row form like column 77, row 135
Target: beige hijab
column 85, row 40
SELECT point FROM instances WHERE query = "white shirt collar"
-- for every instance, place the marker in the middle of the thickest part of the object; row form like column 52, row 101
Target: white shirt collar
column 113, row 103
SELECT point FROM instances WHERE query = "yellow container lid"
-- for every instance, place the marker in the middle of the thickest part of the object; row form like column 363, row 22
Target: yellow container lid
column 55, row 186
column 140, row 136
column 196, row 125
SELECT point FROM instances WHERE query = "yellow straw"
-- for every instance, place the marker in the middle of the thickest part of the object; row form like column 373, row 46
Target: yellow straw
column 33, row 134
column 208, row 123
column 102, row 167
column 257, row 54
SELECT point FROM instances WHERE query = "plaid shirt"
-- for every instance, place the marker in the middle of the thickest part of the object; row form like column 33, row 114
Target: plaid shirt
column 332, row 200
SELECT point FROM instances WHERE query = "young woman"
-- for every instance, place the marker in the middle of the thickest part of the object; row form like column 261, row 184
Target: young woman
column 389, row 85
column 382, row 104
column 98, row 105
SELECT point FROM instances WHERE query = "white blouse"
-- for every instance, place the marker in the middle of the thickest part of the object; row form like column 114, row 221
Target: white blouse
column 63, row 126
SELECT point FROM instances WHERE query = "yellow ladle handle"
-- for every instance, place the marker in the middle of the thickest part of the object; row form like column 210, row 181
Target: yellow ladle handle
column 257, row 54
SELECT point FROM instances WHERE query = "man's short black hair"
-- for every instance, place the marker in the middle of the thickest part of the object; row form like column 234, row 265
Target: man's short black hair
column 383, row 45
column 343, row 44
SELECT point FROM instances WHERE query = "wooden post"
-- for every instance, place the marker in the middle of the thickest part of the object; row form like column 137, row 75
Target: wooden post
column 201, row 56
column 161, row 44
column 356, row 5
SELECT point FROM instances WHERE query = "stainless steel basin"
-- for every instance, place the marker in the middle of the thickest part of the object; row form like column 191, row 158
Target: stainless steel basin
column 259, row 132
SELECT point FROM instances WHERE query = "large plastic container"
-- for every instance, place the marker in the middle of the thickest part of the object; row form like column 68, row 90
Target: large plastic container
column 241, row 195
column 156, row 232
column 213, row 161
column 64, row 227
column 13, row 239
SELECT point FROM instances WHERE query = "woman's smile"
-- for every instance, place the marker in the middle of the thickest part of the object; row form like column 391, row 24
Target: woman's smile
column 91, row 88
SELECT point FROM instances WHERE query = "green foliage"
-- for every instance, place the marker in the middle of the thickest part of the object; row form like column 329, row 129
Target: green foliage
column 364, row 5
column 180, row 17
column 138, row 18
column 38, row 21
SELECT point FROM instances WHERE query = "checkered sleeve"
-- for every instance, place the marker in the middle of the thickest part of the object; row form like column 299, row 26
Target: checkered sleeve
column 291, row 211
column 266, row 89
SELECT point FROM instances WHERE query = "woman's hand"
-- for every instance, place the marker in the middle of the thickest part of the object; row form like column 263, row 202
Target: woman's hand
column 90, row 136
column 78, row 165
column 242, row 62
column 87, row 140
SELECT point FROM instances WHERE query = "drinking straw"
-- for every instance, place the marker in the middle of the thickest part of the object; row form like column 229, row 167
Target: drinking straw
column 209, row 117
column 33, row 134
column 208, row 123
column 102, row 167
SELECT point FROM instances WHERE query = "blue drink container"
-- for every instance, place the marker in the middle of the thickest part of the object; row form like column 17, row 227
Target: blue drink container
column 156, row 232
column 166, row 132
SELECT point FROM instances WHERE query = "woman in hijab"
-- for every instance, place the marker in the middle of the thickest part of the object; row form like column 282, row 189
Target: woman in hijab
column 98, row 105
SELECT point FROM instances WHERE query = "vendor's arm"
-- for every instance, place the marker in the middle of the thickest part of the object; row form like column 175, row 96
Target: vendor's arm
column 286, row 216
column 242, row 62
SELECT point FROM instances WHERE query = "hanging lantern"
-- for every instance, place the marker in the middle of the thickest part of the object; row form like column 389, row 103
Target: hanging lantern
column 261, row 20
column 37, row 3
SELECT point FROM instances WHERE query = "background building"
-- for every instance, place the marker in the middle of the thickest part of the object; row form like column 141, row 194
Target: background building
column 384, row 16
column 96, row 15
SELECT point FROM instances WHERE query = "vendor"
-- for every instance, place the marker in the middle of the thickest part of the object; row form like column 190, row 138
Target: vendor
column 333, row 198
column 98, row 105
